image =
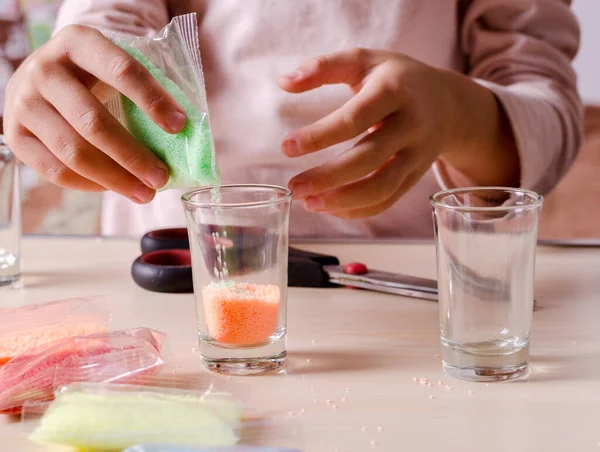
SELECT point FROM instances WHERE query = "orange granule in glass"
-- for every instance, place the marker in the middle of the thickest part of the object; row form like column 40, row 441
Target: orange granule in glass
column 241, row 313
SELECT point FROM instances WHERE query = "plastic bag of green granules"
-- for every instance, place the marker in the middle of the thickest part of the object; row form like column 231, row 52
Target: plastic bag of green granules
column 172, row 56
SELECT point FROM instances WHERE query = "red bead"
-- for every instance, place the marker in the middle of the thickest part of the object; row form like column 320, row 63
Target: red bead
column 355, row 268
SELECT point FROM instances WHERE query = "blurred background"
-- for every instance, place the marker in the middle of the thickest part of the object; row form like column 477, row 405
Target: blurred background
column 570, row 211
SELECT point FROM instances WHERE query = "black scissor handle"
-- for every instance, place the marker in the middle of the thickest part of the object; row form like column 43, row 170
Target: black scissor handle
column 165, row 239
column 165, row 262
column 165, row 271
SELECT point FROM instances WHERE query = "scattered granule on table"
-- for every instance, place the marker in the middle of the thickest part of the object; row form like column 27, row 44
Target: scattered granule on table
column 240, row 313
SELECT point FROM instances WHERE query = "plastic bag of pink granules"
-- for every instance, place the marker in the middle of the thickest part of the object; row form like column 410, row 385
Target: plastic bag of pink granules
column 98, row 358
column 34, row 325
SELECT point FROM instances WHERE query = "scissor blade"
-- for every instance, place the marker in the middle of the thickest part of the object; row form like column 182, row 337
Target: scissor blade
column 385, row 282
column 406, row 292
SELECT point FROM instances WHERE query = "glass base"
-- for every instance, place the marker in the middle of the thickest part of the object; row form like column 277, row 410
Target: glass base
column 242, row 367
column 487, row 374
column 486, row 361
column 11, row 282
column 243, row 361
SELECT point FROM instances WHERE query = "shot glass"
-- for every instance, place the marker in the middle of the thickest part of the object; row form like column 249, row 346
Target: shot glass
column 239, row 247
column 486, row 240
column 10, row 217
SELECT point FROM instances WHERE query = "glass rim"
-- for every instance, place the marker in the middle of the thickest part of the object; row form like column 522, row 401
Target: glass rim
column 436, row 199
column 187, row 201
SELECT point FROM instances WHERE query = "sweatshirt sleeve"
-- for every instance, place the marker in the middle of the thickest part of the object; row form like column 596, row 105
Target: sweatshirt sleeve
column 125, row 17
column 522, row 51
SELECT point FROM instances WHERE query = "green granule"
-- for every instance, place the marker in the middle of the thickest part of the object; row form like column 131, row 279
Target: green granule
column 189, row 154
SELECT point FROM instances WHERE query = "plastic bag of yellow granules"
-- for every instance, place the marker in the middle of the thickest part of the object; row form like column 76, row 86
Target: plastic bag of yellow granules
column 95, row 417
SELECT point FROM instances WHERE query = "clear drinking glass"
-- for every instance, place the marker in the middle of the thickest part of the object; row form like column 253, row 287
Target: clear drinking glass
column 10, row 217
column 239, row 247
column 486, row 240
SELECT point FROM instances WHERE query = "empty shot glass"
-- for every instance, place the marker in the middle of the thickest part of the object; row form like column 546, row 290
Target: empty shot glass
column 239, row 247
column 486, row 240
column 10, row 217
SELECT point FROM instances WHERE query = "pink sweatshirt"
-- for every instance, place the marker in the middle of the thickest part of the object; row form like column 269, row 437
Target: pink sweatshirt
column 519, row 49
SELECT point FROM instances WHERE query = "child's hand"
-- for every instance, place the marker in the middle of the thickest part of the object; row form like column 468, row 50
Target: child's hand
column 57, row 126
column 411, row 113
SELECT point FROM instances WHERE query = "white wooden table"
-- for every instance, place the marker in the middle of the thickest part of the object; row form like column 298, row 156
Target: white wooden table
column 360, row 350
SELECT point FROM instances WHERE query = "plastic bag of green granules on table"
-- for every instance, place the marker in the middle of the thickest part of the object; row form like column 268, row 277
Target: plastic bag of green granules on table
column 172, row 56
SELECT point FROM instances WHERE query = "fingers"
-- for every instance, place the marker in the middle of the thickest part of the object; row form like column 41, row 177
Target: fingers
column 370, row 153
column 33, row 153
column 372, row 104
column 371, row 211
column 348, row 66
column 91, row 51
column 97, row 126
column 81, row 157
column 376, row 188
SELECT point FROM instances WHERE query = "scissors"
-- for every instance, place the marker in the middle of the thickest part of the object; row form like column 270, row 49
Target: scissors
column 165, row 266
